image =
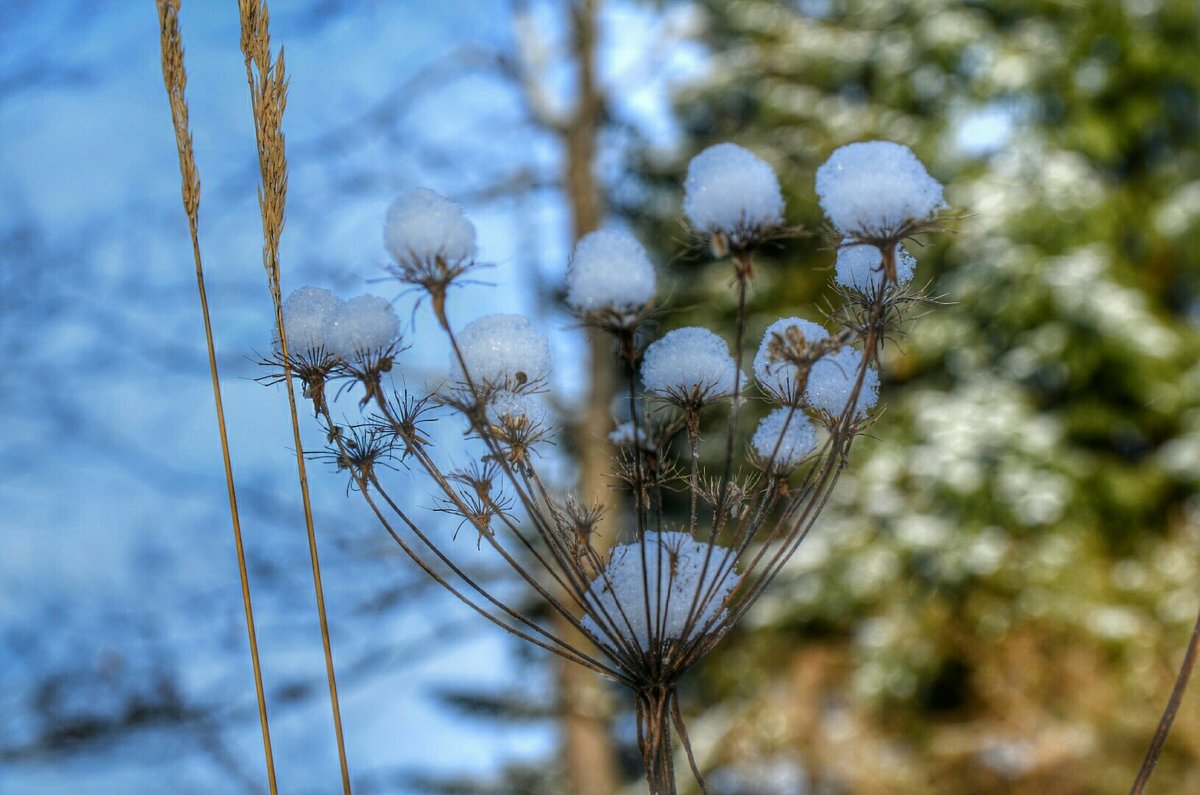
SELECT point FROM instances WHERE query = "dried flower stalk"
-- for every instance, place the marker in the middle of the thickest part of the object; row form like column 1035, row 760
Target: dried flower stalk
column 268, row 83
column 175, row 80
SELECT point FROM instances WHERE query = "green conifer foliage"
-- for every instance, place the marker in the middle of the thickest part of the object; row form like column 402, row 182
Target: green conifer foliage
column 1000, row 595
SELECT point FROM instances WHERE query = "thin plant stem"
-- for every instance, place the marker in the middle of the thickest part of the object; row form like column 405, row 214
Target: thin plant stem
column 1168, row 716
column 550, row 643
column 175, row 80
column 268, row 92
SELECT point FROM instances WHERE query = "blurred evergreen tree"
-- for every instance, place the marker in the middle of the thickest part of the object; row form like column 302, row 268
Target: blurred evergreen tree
column 999, row 596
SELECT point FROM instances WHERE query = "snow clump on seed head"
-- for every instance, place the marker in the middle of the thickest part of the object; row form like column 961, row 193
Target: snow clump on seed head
column 689, row 365
column 732, row 192
column 832, row 379
column 860, row 267
column 609, row 271
column 422, row 228
column 308, row 315
column 511, row 408
column 876, row 189
column 503, row 351
column 363, row 327
column 674, row 579
column 784, row 437
column 777, row 377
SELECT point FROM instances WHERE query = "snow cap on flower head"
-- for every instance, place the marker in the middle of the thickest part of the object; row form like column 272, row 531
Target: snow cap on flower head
column 689, row 364
column 778, row 377
column 733, row 192
column 679, row 572
column 362, row 327
column 512, row 407
column 875, row 188
column 307, row 317
column 784, row 437
column 860, row 266
column 423, row 227
column 502, row 350
column 609, row 271
column 832, row 378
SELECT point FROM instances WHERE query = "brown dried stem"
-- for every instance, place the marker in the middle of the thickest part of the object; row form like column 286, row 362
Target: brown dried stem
column 268, row 98
column 1168, row 716
column 175, row 80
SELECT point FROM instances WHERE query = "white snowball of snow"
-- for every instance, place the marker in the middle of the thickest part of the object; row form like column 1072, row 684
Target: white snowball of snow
column 422, row 226
column 875, row 187
column 674, row 563
column 363, row 326
column 307, row 317
column 609, row 270
column 731, row 190
column 785, row 435
column 858, row 266
column 832, row 378
column 689, row 362
column 778, row 377
column 503, row 349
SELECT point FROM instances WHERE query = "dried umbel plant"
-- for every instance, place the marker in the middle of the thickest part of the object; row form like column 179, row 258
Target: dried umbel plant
column 701, row 542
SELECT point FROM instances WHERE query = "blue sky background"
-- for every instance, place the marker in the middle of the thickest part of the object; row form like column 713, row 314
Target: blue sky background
column 117, row 574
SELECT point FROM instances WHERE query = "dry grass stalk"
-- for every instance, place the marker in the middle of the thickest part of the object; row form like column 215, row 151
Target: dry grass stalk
column 175, row 80
column 268, row 96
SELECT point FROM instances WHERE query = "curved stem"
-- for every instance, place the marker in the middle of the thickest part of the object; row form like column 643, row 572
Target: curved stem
column 1168, row 716
column 685, row 741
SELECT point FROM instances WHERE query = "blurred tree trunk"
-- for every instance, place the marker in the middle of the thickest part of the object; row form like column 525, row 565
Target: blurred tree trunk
column 585, row 712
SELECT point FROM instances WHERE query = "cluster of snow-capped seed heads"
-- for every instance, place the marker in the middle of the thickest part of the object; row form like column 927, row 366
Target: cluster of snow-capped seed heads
column 655, row 599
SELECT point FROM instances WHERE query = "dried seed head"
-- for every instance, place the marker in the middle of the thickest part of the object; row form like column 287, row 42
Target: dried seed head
column 669, row 575
column 732, row 198
column 502, row 352
column 609, row 274
column 788, row 349
column 518, row 422
column 783, row 439
column 861, row 267
column 430, row 240
column 690, row 367
column 362, row 330
column 877, row 189
column 831, row 382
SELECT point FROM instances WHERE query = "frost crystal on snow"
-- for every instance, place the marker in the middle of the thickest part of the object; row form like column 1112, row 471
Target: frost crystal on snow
column 859, row 266
column 779, row 378
column 609, row 270
column 689, row 365
column 784, row 437
column 423, row 227
column 732, row 191
column 875, row 188
column 307, row 317
column 673, row 581
column 832, row 378
column 503, row 350
column 362, row 327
